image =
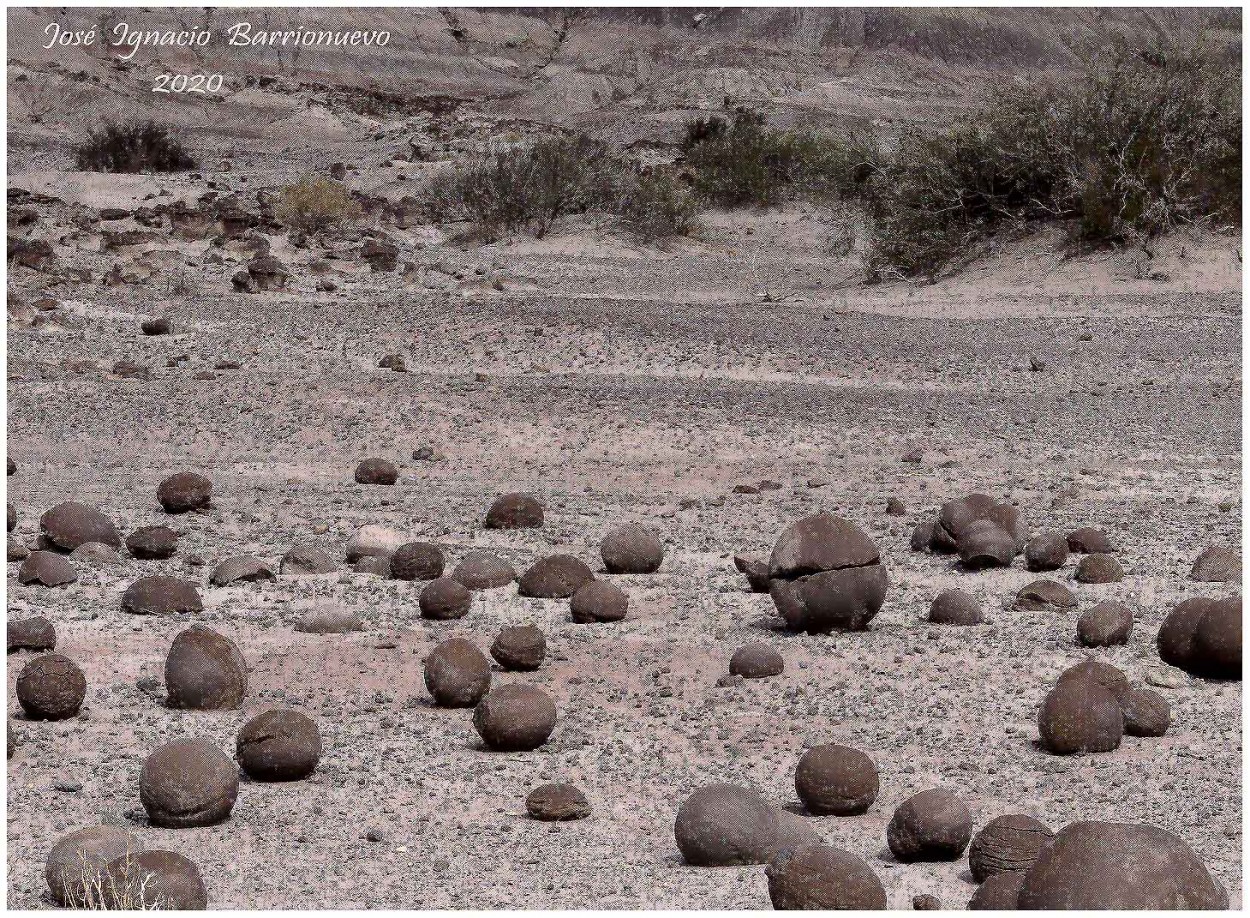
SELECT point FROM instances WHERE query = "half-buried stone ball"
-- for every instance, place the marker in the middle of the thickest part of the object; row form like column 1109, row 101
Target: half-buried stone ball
column 1079, row 715
column 1047, row 551
column 834, row 780
column 822, row 877
column 155, row 880
column 205, row 671
column 417, row 561
column 1146, row 713
column 481, row 570
column 36, row 633
column 756, row 661
column 1089, row 540
column 955, row 607
column 1105, row 624
column 632, row 549
column 557, row 803
column 1044, row 596
column 305, row 560
column 1216, row 564
column 1099, row 568
column 376, row 472
column 80, row 858
column 957, row 519
column 68, row 525
column 152, row 543
column 515, row 718
column 46, row 568
column 826, row 573
column 1007, row 844
column 519, row 648
column 554, row 577
column 444, row 599
column 724, row 825
column 51, row 687
column 998, row 893
column 1119, row 866
column 161, row 595
column 598, row 601
column 1217, row 640
column 985, row 543
column 188, row 783
column 183, row 492
column 241, row 569
column 934, row 825
column 457, row 674
column 515, row 511
column 279, row 745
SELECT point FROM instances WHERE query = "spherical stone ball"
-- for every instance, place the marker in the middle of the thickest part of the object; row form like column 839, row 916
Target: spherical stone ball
column 984, row 544
column 417, row 561
column 723, row 825
column 241, row 569
column 554, row 577
column 303, row 560
column 1217, row 640
column 756, row 661
column 1120, row 866
column 1112, row 678
column 1044, row 596
column 515, row 511
column 1046, row 551
column 519, row 648
column 80, row 857
column 154, row 880
column 187, row 783
column 557, row 803
column 444, row 599
column 51, row 687
column 1099, row 568
column 1146, row 713
column 183, row 492
column 152, row 543
column 999, row 892
column 457, row 674
column 36, row 633
column 632, row 549
column 46, row 568
column 481, row 570
column 1216, row 564
column 821, row 542
column 1007, row 844
column 822, row 877
column 1176, row 635
column 68, row 525
column 955, row 607
column 376, row 472
column 205, row 671
column 279, row 745
column 598, row 601
column 515, row 718
column 834, row 780
column 1105, row 624
column 1079, row 715
column 934, row 825
column 161, row 595
column 1089, row 540
column 845, row 600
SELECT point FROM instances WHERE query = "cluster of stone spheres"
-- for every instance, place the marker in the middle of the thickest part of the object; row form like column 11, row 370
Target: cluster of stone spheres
column 825, row 573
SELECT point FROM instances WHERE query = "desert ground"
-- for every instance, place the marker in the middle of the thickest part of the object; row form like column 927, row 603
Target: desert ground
column 620, row 383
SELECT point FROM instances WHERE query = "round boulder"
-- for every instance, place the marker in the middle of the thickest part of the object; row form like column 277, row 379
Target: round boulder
column 376, row 472
column 46, row 568
column 1105, row 624
column 598, row 601
column 826, row 573
column 1044, row 596
column 304, row 560
column 241, row 569
column 68, row 525
column 515, row 511
column 955, row 607
column 481, row 570
column 1110, row 677
column 1216, row 564
column 457, row 674
column 155, row 880
column 205, row 671
column 183, row 492
column 934, row 825
column 756, row 661
column 77, row 859
column 834, row 780
column 632, row 549
column 821, row 877
column 1047, row 551
column 187, row 783
column 1120, row 866
column 444, row 599
column 1007, row 844
column 557, row 803
column 1089, row 540
column 724, row 825
column 51, row 687
column 161, row 595
column 1099, row 568
column 554, row 577
column 152, row 543
column 515, row 718
column 1146, row 713
column 1217, row 640
column 1079, row 715
column 922, row 535
column 279, row 745
column 998, row 893
column 35, row 633
column 417, row 561
column 519, row 648
column 984, row 543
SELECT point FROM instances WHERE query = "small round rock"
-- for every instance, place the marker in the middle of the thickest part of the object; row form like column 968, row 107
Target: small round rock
column 955, row 607
column 557, row 803
column 519, row 648
column 1080, row 715
column 823, row 877
column 834, row 780
column 187, row 783
column 457, row 674
column 554, row 577
column 598, row 601
column 377, row 472
column 632, row 549
column 1089, row 540
column 1105, row 624
column 515, row 511
column 46, row 568
column 1146, row 713
column 279, row 745
column 515, row 718
column 51, row 687
column 934, row 825
column 417, row 561
column 1007, row 843
column 161, row 595
column 444, row 599
column 1046, row 551
column 1099, row 568
column 155, row 880
column 183, row 492
column 756, row 661
column 205, row 671
column 482, row 570
column 152, row 543
column 80, row 856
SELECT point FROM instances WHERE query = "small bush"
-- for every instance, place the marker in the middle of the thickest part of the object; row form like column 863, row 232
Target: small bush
column 314, row 205
column 655, row 206
column 133, row 146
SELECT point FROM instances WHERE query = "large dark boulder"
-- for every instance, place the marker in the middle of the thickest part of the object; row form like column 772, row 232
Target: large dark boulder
column 205, row 671
column 834, row 780
column 161, row 595
column 555, row 577
column 515, row 511
column 1007, row 844
column 187, row 783
column 183, row 492
column 68, row 525
column 933, row 825
column 1203, row 637
column 515, row 718
column 632, row 549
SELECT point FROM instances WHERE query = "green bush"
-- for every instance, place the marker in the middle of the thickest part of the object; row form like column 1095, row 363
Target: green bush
column 655, row 206
column 133, row 146
column 316, row 204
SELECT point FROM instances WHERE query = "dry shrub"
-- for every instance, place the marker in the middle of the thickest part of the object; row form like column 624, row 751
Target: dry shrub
column 314, row 205
column 654, row 205
column 133, row 146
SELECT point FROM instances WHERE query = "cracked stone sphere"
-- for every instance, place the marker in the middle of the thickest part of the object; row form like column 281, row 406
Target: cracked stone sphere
column 1007, row 844
column 515, row 511
column 183, row 492
column 51, row 687
column 822, row 877
column 515, row 718
column 632, row 549
column 279, row 745
column 457, row 674
column 834, row 780
column 81, row 855
column 933, row 825
column 68, row 525
column 187, row 783
column 205, row 671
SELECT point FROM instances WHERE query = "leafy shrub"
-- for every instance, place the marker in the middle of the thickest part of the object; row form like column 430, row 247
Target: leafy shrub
column 133, row 146
column 316, row 204
column 654, row 205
